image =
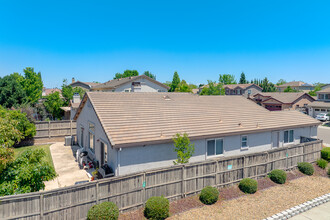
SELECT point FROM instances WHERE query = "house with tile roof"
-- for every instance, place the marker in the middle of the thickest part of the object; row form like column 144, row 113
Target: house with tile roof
column 246, row 90
column 141, row 83
column 84, row 85
column 322, row 104
column 296, row 85
column 132, row 132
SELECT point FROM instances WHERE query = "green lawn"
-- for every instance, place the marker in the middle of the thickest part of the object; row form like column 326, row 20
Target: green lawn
column 48, row 158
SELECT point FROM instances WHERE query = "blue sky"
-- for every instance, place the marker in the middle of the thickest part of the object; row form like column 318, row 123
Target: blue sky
column 93, row 40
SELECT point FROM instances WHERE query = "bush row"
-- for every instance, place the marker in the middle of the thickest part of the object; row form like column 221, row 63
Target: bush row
column 325, row 153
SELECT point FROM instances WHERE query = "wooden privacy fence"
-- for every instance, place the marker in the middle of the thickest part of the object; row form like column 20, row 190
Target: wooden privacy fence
column 55, row 129
column 132, row 191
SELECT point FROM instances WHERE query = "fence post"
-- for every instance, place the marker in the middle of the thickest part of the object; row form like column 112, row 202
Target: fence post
column 144, row 184
column 244, row 173
column 286, row 158
column 216, row 172
column 183, row 186
column 70, row 127
column 49, row 129
column 41, row 204
column 97, row 192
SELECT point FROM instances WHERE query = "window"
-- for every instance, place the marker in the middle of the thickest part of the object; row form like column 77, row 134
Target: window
column 321, row 96
column 104, row 153
column 249, row 91
column 244, row 141
column 214, row 147
column 91, row 137
column 288, row 136
column 317, row 110
column 127, row 90
column 238, row 92
column 322, row 110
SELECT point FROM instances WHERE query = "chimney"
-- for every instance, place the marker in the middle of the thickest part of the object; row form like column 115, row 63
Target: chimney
column 73, row 80
column 76, row 98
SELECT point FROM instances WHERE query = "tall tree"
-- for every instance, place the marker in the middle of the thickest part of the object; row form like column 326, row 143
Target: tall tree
column 149, row 74
column 53, row 104
column 127, row 73
column 212, row 88
column 183, row 148
column 183, row 87
column 227, row 79
column 32, row 84
column 175, row 82
column 12, row 93
column 318, row 87
column 289, row 89
column 280, row 82
column 242, row 80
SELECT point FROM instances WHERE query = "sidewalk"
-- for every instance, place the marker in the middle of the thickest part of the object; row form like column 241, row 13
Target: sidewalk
column 321, row 212
column 65, row 166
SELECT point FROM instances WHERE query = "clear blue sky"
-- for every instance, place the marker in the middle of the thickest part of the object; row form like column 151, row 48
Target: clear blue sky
column 92, row 40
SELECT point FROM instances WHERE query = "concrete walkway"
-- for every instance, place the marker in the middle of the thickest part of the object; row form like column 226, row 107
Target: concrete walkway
column 65, row 166
column 321, row 212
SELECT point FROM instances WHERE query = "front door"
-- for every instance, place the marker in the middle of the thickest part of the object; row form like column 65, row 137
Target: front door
column 276, row 139
column 104, row 154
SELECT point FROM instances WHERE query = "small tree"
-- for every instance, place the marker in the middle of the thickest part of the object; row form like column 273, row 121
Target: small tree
column 227, row 79
column 149, row 74
column 175, row 82
column 183, row 147
column 242, row 80
column 53, row 105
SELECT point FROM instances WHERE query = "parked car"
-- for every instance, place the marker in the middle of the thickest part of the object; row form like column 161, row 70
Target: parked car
column 323, row 117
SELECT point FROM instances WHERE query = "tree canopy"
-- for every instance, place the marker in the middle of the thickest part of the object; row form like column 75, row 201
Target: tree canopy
column 227, row 79
column 127, row 73
column 12, row 93
column 53, row 104
column 289, row 89
column 213, row 88
column 242, row 80
column 32, row 85
column 149, row 74
column 175, row 81
column 183, row 87
column 68, row 91
column 281, row 82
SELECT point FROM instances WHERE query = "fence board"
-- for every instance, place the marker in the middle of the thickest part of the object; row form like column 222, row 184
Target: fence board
column 131, row 191
column 49, row 129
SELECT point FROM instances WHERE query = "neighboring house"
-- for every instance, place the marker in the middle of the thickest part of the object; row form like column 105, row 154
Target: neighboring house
column 84, row 85
column 297, row 85
column 132, row 132
column 46, row 92
column 276, row 101
column 70, row 111
column 322, row 104
column 140, row 83
column 247, row 90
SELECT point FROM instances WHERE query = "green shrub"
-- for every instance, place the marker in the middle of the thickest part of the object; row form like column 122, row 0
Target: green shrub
column 278, row 176
column 209, row 195
column 157, row 208
column 105, row 210
column 325, row 153
column 329, row 172
column 248, row 185
column 306, row 168
column 322, row 163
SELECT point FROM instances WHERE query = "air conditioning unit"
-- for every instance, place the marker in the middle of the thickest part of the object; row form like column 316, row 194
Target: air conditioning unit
column 68, row 141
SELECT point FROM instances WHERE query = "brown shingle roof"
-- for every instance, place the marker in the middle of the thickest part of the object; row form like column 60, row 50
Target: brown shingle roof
column 294, row 83
column 136, row 119
column 243, row 86
column 324, row 90
column 284, row 97
column 112, row 84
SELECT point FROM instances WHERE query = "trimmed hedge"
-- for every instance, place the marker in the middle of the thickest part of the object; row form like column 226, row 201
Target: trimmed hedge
column 306, row 168
column 209, row 195
column 157, row 208
column 322, row 163
column 325, row 153
column 248, row 185
column 104, row 210
column 278, row 176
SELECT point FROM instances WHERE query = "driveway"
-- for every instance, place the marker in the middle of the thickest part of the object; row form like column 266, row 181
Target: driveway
column 65, row 166
column 323, row 133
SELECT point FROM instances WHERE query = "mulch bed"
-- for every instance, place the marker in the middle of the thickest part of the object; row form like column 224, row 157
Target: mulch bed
column 226, row 193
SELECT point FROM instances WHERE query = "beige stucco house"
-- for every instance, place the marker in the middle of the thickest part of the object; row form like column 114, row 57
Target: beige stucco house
column 322, row 104
column 297, row 85
column 132, row 132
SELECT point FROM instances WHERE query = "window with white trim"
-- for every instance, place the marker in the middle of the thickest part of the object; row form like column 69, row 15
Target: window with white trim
column 214, row 147
column 244, row 141
column 288, row 136
column 249, row 91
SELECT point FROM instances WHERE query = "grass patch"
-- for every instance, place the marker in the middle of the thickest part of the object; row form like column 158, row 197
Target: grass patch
column 326, row 124
column 48, row 157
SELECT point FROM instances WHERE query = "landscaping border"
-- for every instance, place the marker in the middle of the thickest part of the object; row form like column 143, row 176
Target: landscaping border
column 300, row 208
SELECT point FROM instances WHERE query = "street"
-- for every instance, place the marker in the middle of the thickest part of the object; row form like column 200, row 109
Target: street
column 323, row 133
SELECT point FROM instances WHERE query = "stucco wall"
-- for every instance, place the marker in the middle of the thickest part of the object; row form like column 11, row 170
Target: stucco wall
column 254, row 90
column 146, row 86
column 88, row 115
